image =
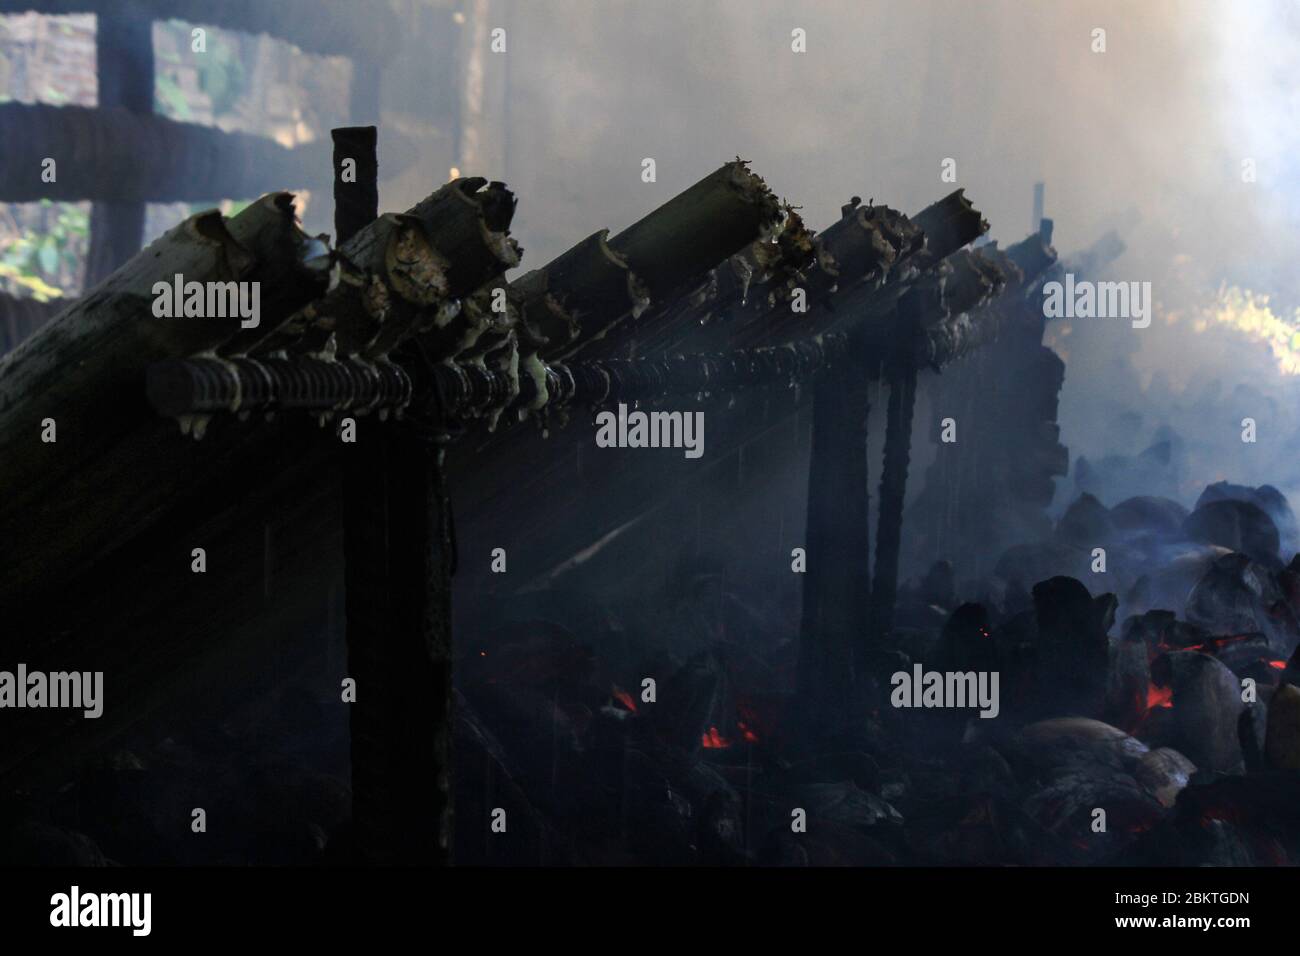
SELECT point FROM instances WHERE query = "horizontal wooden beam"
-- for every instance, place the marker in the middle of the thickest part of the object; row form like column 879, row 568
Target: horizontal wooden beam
column 370, row 30
column 119, row 155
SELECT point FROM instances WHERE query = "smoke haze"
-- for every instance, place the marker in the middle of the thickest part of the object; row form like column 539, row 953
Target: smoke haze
column 1147, row 138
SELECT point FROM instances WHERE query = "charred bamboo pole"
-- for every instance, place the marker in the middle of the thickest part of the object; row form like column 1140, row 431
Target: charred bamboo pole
column 80, row 369
column 403, row 277
column 1026, row 262
column 469, row 219
column 697, row 229
column 467, row 223
column 949, row 224
column 84, row 370
column 867, row 260
column 756, row 280
column 948, row 327
column 19, row 318
column 683, row 239
column 586, row 283
column 387, row 273
column 125, row 70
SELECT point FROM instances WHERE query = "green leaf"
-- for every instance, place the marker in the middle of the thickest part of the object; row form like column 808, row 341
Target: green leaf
column 48, row 257
column 171, row 98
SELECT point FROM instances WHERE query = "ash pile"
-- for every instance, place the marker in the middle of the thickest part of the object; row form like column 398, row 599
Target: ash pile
column 1157, row 727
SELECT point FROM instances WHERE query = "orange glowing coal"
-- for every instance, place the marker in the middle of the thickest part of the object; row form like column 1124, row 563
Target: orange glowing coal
column 714, row 740
column 1277, row 665
column 624, row 698
column 1159, row 697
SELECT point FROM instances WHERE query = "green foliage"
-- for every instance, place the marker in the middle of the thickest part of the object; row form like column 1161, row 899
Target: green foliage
column 220, row 73
column 170, row 101
column 222, row 76
column 43, row 264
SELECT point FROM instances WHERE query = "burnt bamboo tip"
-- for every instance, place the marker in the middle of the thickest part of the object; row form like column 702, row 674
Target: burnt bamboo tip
column 950, row 223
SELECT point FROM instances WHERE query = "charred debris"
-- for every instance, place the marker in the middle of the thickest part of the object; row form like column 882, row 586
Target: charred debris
column 397, row 377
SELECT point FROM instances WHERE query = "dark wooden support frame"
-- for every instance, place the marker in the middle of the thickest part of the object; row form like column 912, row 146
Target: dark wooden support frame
column 901, row 376
column 398, row 565
column 835, row 587
column 124, row 67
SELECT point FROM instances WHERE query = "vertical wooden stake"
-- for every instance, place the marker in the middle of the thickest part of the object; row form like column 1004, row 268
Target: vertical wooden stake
column 356, row 203
column 835, row 585
column 125, row 74
column 398, row 550
column 901, row 374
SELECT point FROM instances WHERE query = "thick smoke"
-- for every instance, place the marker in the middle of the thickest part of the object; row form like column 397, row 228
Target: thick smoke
column 1148, row 138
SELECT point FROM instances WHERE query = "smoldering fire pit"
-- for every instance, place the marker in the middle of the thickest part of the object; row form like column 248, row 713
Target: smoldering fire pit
column 1148, row 739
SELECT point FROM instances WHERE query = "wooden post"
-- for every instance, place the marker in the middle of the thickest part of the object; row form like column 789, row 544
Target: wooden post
column 397, row 548
column 356, row 202
column 835, row 585
column 398, row 553
column 893, row 477
column 125, row 70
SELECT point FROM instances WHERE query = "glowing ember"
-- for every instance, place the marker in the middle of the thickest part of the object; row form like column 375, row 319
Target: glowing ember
column 714, row 740
column 1159, row 697
column 624, row 698
column 1212, row 646
column 749, row 735
column 1278, row 665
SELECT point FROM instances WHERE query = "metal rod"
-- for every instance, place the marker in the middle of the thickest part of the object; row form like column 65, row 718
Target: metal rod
column 207, row 385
